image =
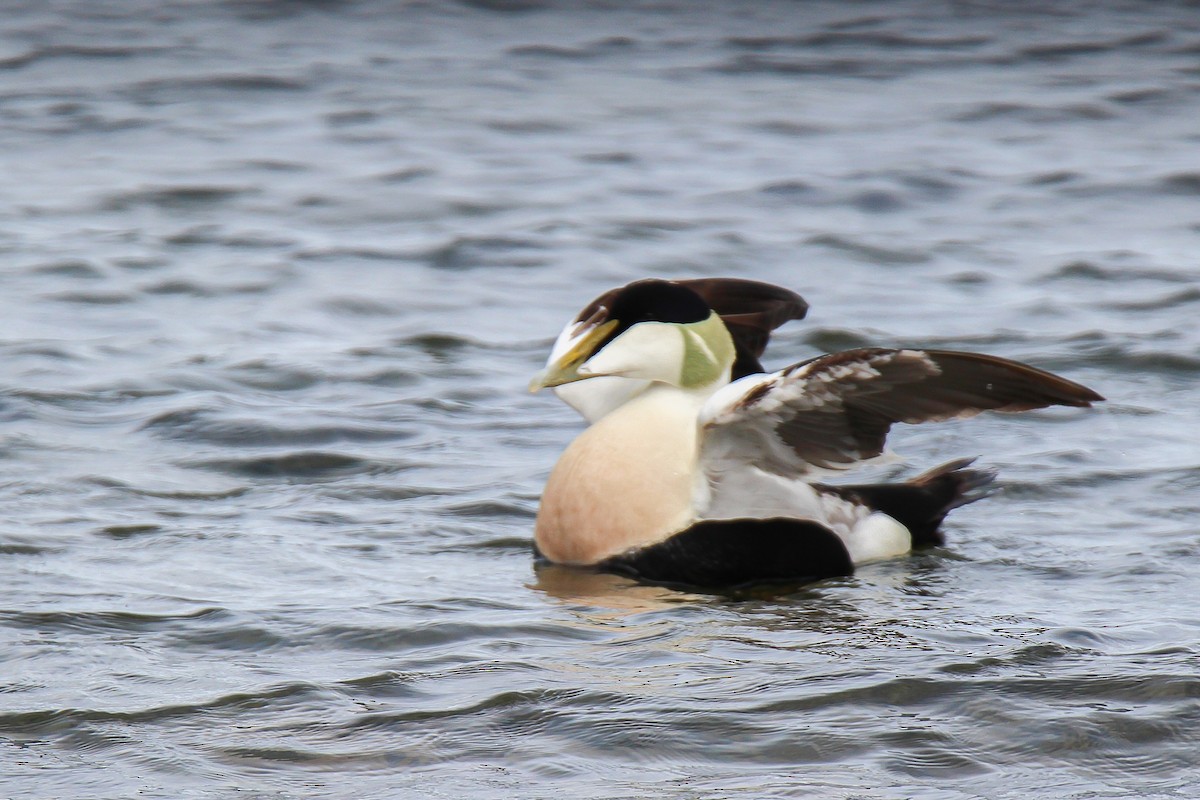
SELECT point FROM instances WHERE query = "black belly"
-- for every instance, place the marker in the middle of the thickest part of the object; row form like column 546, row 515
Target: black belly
column 735, row 553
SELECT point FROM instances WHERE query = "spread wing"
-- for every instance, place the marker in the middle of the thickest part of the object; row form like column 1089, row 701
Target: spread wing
column 749, row 309
column 836, row 410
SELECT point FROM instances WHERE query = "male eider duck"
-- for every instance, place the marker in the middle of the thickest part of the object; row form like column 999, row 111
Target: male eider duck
column 700, row 470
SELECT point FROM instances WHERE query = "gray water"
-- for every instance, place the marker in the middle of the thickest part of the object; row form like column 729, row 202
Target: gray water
column 275, row 276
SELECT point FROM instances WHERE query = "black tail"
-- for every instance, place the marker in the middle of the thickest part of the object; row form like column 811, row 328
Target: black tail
column 920, row 504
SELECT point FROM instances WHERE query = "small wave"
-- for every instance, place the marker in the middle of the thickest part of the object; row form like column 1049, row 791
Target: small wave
column 1089, row 270
column 271, row 376
column 772, row 64
column 1138, row 97
column 870, row 253
column 37, row 349
column 283, row 755
column 793, row 189
column 85, row 52
column 940, row 184
column 217, row 235
column 1179, row 184
column 1080, row 638
column 389, row 493
column 1059, row 51
column 46, row 722
column 969, row 278
column 1035, row 115
column 437, row 635
column 1071, row 482
column 1118, row 359
column 194, row 289
column 857, row 23
column 473, row 252
column 790, row 128
column 106, row 621
column 503, row 701
column 833, row 340
column 188, row 495
column 96, row 298
column 345, row 119
column 139, row 263
column 22, row 549
column 74, row 269
column 237, row 635
column 388, row 376
column 389, row 683
column 505, row 544
column 877, row 201
column 584, row 52
column 224, row 83
column 865, row 39
column 1185, row 183
column 508, row 6
column 201, row 425
column 75, row 118
column 84, row 740
column 608, row 157
column 646, row 228
column 491, row 508
column 1172, row 300
column 928, row 691
column 312, row 465
column 176, row 197
column 1056, row 177
column 406, row 175
column 360, row 307
column 53, row 398
column 1034, row 655
column 883, row 192
column 361, row 253
column 273, row 165
column 527, row 126
column 933, row 755
column 130, row 531
column 445, row 347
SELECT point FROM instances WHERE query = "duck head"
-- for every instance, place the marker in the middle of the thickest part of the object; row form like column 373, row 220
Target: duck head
column 651, row 331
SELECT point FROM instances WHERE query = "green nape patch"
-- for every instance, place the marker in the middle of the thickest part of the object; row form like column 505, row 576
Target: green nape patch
column 708, row 352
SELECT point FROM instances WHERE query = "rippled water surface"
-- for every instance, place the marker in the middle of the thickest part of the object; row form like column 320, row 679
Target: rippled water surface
column 275, row 276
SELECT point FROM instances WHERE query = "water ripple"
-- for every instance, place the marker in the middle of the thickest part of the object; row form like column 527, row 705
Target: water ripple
column 312, row 465
column 278, row 273
column 202, row 425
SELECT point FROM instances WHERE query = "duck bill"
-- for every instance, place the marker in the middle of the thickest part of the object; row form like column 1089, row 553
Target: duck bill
column 566, row 368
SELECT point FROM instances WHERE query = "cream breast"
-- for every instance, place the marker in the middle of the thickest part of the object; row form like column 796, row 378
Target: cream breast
column 627, row 481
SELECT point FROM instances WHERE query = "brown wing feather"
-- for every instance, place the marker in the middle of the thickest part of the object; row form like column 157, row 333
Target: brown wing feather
column 847, row 402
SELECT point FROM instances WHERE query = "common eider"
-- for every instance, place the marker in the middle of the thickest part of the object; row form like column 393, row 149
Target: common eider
column 700, row 470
